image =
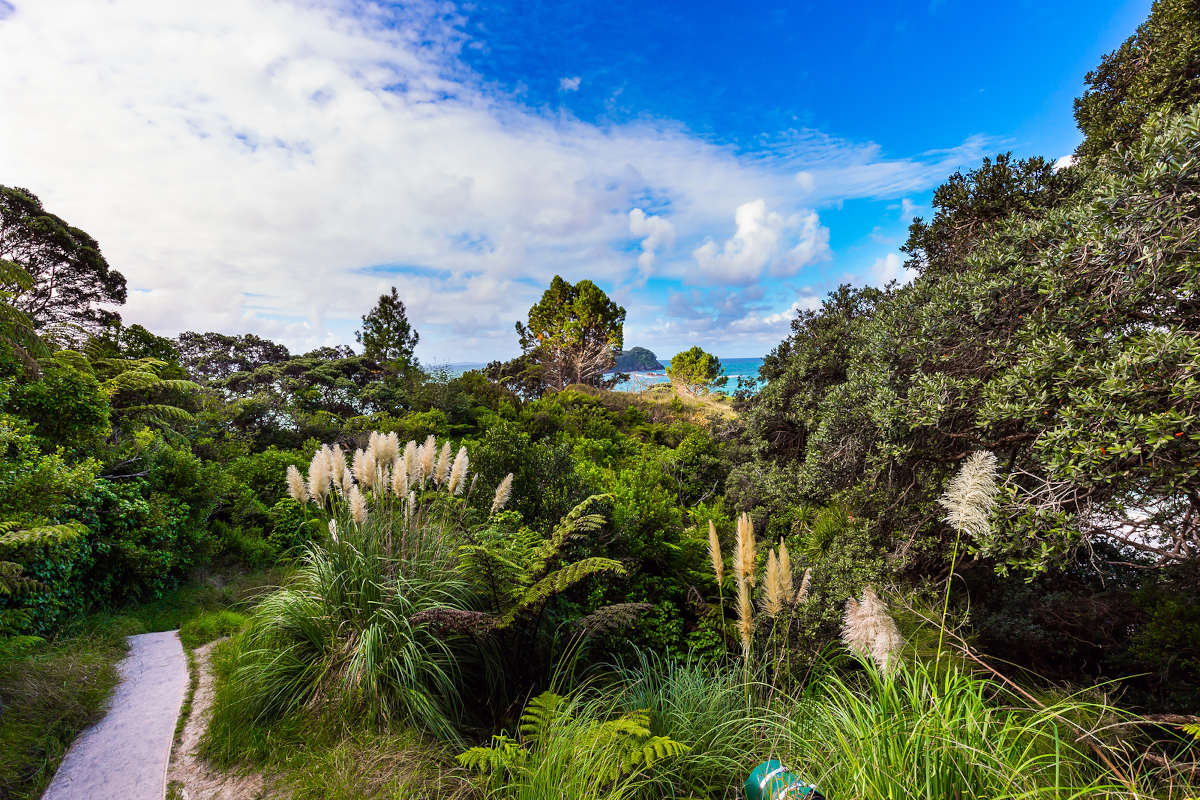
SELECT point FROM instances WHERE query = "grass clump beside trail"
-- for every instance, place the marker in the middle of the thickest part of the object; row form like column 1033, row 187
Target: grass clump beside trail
column 50, row 690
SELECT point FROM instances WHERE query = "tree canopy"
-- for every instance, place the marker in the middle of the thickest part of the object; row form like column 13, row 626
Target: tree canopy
column 72, row 287
column 386, row 334
column 1156, row 69
column 573, row 333
column 696, row 371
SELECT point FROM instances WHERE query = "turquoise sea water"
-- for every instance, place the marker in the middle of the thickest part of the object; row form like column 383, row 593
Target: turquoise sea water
column 734, row 368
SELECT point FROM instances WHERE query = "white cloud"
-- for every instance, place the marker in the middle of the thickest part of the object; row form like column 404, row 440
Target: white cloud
column 657, row 232
column 761, row 242
column 777, row 324
column 243, row 161
column 570, row 84
column 1064, row 162
column 908, row 209
column 890, row 268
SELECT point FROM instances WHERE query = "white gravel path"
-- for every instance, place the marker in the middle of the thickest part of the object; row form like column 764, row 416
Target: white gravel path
column 124, row 756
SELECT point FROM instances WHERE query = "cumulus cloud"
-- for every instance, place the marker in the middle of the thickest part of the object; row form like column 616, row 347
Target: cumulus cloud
column 244, row 162
column 890, row 268
column 765, row 240
column 1063, row 162
column 654, row 231
column 569, row 84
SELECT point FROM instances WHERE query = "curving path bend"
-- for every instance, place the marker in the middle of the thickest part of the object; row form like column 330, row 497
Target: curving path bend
column 124, row 756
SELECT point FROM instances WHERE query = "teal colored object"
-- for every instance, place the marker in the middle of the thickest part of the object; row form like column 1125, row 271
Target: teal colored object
column 770, row 780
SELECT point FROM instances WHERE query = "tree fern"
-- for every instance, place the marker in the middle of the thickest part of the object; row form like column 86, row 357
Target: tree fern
column 576, row 523
column 559, row 581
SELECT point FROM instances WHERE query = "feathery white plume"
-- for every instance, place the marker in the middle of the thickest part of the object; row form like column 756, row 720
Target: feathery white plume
column 458, row 472
column 971, row 495
column 428, row 453
column 411, row 461
column 503, row 492
column 319, row 475
column 441, row 472
column 869, row 630
column 333, row 529
column 389, row 449
column 714, row 553
column 399, row 479
column 358, row 505
column 805, row 584
column 295, row 485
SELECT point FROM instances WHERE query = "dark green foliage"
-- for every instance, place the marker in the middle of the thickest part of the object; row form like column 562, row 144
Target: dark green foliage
column 968, row 208
column 386, row 334
column 637, row 359
column 1158, row 68
column 212, row 356
column 71, row 281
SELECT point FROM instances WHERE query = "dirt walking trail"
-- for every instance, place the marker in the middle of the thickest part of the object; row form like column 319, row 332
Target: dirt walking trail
column 124, row 756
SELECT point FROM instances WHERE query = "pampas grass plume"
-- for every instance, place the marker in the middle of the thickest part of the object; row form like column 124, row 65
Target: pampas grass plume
column 333, row 529
column 319, row 474
column 411, row 461
column 441, row 473
column 971, row 495
column 337, row 463
column 805, row 584
column 458, row 472
column 358, row 505
column 785, row 570
column 399, row 479
column 869, row 630
column 295, row 485
column 428, row 453
column 503, row 492
column 745, row 550
column 389, row 449
column 714, row 553
column 774, row 595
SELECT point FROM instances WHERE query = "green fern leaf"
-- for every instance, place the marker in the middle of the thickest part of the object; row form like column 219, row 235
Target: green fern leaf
column 540, row 714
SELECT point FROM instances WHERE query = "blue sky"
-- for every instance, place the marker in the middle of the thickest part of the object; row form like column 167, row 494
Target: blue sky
column 271, row 166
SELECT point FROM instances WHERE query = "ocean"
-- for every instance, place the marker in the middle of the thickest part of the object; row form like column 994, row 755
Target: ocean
column 734, row 368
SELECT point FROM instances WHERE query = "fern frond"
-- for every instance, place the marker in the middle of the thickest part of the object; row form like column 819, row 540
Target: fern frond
column 56, row 534
column 659, row 748
column 559, row 581
column 576, row 523
column 161, row 413
column 504, row 755
column 542, row 712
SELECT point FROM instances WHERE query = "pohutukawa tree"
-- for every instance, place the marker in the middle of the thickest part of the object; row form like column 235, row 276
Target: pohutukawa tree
column 574, row 334
column 72, row 287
